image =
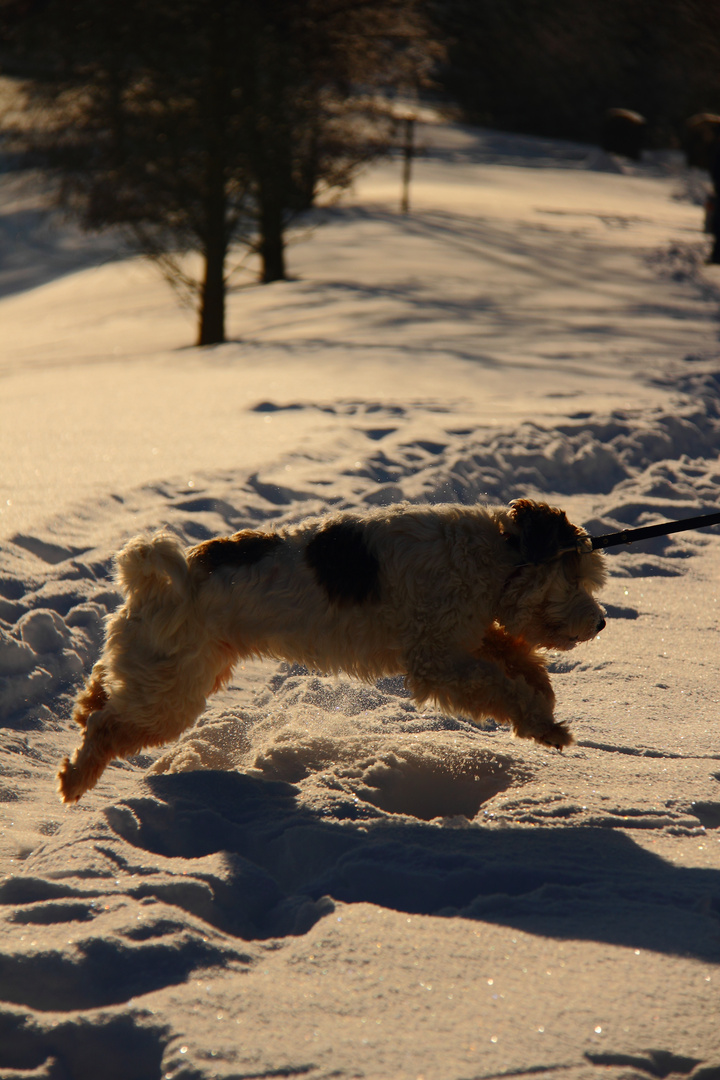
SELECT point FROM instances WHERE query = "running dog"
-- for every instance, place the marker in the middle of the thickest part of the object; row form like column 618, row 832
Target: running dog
column 460, row 600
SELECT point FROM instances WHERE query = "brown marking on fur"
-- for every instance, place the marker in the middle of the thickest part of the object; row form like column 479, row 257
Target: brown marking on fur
column 222, row 680
column 228, row 658
column 242, row 549
column 343, row 564
column 89, row 700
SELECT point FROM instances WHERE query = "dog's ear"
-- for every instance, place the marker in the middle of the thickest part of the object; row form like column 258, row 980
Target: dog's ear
column 543, row 531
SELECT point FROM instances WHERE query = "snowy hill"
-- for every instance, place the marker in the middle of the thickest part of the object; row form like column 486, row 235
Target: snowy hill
column 320, row 879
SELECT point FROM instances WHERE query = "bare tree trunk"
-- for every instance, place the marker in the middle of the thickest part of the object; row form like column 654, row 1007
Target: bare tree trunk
column 214, row 232
column 212, row 297
column 272, row 238
column 408, row 155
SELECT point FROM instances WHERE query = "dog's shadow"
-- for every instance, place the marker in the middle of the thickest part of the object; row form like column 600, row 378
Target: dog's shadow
column 283, row 861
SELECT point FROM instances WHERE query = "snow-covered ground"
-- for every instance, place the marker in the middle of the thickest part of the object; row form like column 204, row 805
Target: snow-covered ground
column 320, row 879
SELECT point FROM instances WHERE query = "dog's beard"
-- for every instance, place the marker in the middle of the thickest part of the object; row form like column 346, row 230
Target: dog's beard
column 564, row 623
column 572, row 624
column 561, row 642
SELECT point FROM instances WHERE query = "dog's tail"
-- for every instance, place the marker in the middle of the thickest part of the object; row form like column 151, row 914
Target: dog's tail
column 153, row 569
column 153, row 574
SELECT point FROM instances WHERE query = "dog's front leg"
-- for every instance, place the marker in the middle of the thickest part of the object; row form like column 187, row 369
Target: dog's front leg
column 518, row 659
column 510, row 686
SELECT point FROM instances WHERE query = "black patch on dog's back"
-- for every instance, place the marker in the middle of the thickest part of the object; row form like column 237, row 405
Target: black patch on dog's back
column 242, row 549
column 343, row 564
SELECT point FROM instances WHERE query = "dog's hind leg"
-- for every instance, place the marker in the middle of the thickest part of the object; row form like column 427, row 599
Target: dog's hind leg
column 107, row 736
column 510, row 686
column 92, row 697
column 160, row 662
column 148, row 705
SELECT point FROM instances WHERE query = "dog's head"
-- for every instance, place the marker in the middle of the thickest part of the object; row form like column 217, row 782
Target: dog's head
column 556, row 577
column 541, row 532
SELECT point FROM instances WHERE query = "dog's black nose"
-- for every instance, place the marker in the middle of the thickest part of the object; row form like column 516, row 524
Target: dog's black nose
column 600, row 626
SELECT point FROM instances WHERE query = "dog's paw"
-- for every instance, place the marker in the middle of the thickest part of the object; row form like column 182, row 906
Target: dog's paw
column 555, row 736
column 539, row 725
column 70, row 787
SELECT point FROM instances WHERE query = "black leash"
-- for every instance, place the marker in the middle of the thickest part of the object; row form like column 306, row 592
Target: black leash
column 647, row 532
